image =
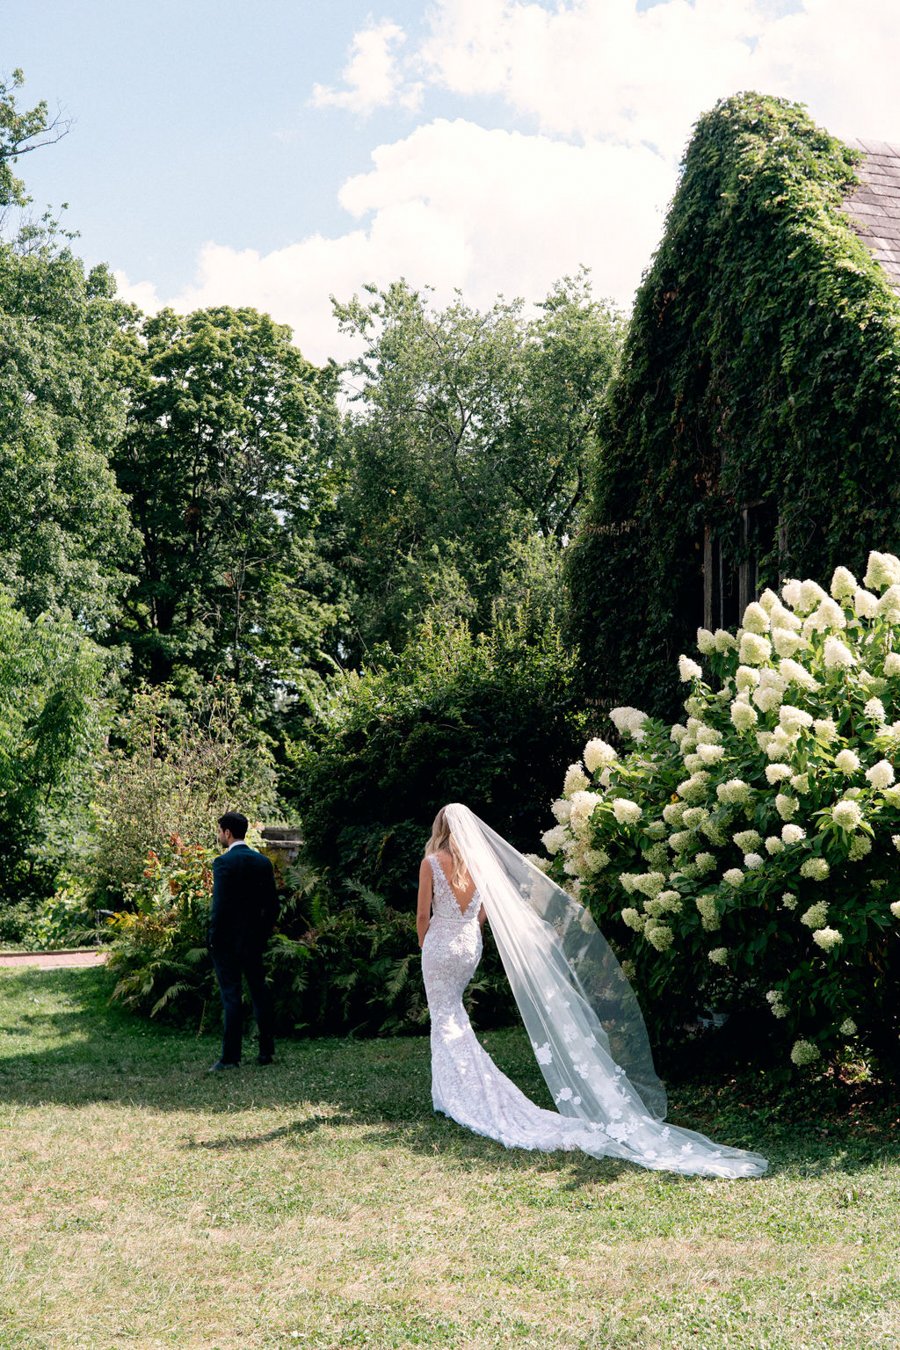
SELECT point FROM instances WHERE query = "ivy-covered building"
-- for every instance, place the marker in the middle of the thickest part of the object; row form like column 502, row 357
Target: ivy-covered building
column 753, row 430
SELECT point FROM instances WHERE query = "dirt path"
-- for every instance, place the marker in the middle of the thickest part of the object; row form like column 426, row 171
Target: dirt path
column 53, row 960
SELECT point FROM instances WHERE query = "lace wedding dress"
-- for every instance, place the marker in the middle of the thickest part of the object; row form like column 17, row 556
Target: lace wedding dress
column 600, row 1111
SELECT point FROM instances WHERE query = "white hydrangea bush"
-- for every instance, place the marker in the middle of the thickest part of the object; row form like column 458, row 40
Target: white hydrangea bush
column 751, row 854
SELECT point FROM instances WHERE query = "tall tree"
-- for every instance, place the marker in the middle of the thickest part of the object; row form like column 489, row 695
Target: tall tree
column 65, row 536
column 469, row 431
column 226, row 459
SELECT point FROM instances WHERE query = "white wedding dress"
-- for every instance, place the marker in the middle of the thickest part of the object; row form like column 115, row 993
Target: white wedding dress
column 468, row 1087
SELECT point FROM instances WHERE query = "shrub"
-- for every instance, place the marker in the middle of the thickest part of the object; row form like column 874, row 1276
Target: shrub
column 749, row 859
column 345, row 970
column 173, row 769
column 159, row 946
column 455, row 717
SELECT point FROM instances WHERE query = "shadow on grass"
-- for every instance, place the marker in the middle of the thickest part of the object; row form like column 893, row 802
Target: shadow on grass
column 61, row 1041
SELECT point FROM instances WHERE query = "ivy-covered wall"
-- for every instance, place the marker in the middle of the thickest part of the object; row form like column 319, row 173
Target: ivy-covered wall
column 762, row 367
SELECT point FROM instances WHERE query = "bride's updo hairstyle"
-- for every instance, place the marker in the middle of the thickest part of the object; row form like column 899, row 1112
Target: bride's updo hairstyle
column 442, row 841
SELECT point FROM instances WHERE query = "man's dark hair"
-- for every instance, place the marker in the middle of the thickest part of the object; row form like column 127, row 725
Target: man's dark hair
column 236, row 823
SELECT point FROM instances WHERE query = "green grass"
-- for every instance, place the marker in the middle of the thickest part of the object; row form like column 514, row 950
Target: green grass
column 320, row 1203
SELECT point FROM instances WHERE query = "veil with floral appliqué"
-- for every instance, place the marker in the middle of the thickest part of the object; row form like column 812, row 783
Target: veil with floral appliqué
column 578, row 1006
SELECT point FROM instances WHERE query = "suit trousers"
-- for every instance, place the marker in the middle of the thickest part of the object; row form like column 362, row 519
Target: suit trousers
column 230, row 964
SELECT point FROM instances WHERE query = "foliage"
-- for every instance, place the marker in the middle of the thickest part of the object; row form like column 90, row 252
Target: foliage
column 469, row 432
column 748, row 860
column 482, row 719
column 20, row 134
column 334, row 968
column 760, row 371
column 238, row 429
column 172, row 768
column 50, row 678
column 65, row 536
column 159, row 953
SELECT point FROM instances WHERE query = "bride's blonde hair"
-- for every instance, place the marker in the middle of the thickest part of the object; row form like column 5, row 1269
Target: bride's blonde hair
column 442, row 841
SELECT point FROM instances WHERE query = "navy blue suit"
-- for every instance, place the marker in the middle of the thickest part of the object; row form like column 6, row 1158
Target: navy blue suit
column 243, row 914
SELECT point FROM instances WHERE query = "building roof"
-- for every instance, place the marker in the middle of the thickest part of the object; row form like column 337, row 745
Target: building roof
column 874, row 207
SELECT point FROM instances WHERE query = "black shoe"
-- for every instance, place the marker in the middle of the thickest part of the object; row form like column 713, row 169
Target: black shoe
column 265, row 1059
column 222, row 1064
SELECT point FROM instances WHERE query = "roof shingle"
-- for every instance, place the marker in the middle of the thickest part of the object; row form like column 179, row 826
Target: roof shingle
column 874, row 206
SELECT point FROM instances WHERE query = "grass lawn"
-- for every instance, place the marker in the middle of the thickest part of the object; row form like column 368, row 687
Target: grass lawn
column 320, row 1203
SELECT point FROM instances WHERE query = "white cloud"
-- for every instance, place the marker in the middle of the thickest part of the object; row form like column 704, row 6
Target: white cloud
column 611, row 93
column 604, row 68
column 453, row 206
column 372, row 77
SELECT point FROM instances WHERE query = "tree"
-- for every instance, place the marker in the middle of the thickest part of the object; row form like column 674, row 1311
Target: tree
column 50, row 681
column 470, row 430
column 226, row 461
column 20, row 134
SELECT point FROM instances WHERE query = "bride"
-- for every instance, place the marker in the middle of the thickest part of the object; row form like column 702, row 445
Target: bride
column 578, row 1007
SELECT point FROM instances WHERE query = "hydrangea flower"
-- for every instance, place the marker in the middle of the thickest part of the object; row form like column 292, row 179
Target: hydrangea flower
column 788, row 900
column 794, row 673
column 708, row 911
column 848, row 1027
column 847, row 814
column 632, row 919
column 553, row 839
column 705, row 863
column 649, row 883
column 629, row 722
column 827, row 938
column 865, row 604
column 775, row 1000
column 659, row 935
column 755, row 619
column 843, row 584
column 792, row 834
column 562, row 810
column 776, row 773
column 774, row 844
column 576, row 780
column 733, row 793
column 746, row 678
column 786, row 643
column 881, row 775
column 734, row 876
column 747, row 840
column 786, row 806
column 743, row 716
column 895, row 908
column 815, row 869
column 860, row 847
column 754, row 649
column 847, row 761
column 597, row 755
column 688, row 670
column 794, row 719
column 752, row 861
column 825, row 728
column 706, row 641
column 626, row 812
column 889, row 605
column 883, row 570
column 719, row 956
column 816, row 915
column 838, row 655
column 803, row 1053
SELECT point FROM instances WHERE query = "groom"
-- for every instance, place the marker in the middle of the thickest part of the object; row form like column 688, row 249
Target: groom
column 243, row 914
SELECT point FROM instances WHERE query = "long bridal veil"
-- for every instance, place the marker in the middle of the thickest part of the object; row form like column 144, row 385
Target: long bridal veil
column 580, row 1012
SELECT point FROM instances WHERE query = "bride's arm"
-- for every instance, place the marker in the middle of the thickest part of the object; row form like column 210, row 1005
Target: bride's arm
column 423, row 908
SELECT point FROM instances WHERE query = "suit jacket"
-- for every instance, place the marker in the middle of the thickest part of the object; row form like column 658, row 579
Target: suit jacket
column 244, row 900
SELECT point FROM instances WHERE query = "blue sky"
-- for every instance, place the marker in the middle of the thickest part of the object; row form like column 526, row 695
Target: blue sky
column 272, row 151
